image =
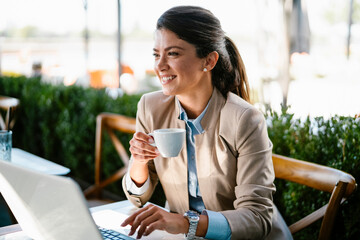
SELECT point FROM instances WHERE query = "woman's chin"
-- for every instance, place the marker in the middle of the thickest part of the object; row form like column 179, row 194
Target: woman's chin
column 167, row 91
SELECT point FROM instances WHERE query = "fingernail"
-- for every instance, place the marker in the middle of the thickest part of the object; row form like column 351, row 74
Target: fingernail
column 151, row 140
column 157, row 151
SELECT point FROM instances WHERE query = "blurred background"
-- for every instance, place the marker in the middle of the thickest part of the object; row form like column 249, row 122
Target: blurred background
column 305, row 54
column 67, row 61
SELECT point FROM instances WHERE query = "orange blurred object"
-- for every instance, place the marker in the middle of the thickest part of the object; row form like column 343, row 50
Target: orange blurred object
column 127, row 69
column 104, row 78
column 107, row 78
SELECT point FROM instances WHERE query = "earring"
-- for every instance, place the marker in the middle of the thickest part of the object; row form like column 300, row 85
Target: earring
column 205, row 69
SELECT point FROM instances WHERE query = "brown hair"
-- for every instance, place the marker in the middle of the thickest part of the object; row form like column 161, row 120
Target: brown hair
column 201, row 28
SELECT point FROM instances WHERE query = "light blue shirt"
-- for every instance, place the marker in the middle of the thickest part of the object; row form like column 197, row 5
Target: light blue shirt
column 218, row 226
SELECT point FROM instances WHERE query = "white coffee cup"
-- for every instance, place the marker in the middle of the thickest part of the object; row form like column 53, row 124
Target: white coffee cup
column 169, row 141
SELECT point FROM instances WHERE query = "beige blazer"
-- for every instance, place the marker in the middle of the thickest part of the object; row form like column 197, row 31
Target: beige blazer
column 233, row 159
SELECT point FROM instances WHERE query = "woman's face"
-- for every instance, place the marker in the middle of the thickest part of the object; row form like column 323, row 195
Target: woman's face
column 176, row 64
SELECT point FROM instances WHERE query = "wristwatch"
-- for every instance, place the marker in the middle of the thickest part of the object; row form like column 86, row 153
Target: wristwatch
column 193, row 218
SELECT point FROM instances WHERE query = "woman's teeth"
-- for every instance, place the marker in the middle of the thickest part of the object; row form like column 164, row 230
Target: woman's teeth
column 166, row 79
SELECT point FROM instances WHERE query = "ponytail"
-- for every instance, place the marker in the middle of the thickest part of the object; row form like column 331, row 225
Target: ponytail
column 241, row 83
column 229, row 74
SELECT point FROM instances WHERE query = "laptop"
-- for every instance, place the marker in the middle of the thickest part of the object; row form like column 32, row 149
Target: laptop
column 49, row 207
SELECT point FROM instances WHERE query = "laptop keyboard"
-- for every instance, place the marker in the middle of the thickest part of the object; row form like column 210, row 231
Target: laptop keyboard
column 109, row 234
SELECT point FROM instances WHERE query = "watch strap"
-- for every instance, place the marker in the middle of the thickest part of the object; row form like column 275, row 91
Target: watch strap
column 192, row 229
column 193, row 218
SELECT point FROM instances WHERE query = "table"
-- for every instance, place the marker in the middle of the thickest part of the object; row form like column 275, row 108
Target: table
column 30, row 161
column 109, row 216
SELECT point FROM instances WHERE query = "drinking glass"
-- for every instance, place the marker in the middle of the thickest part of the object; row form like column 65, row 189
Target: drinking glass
column 5, row 145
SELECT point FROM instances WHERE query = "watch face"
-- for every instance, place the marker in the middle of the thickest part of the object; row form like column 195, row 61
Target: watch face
column 194, row 216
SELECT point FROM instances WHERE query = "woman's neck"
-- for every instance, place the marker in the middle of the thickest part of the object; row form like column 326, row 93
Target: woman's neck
column 194, row 105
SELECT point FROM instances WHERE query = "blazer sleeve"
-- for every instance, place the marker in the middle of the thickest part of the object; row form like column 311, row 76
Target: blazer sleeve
column 140, row 200
column 254, row 188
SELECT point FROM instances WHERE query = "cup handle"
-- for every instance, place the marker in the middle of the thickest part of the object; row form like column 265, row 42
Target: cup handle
column 152, row 144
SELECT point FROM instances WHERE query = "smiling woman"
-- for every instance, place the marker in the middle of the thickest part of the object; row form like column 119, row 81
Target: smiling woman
column 221, row 184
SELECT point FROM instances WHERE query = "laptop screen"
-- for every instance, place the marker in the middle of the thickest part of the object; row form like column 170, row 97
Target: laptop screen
column 46, row 206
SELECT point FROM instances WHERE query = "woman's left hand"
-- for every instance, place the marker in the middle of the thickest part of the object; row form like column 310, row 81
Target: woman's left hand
column 152, row 217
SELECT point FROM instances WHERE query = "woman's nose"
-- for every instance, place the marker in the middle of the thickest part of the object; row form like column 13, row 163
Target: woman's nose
column 161, row 64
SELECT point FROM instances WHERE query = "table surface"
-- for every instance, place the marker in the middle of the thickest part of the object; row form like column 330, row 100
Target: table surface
column 109, row 216
column 30, row 161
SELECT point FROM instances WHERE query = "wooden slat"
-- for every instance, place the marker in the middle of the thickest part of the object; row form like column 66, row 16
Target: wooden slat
column 8, row 104
column 311, row 174
column 332, row 210
column 110, row 122
column 308, row 220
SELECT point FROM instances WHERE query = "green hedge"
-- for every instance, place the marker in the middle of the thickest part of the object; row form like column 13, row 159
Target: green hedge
column 58, row 123
column 334, row 142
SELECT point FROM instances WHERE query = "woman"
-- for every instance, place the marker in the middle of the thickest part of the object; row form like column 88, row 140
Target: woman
column 225, row 172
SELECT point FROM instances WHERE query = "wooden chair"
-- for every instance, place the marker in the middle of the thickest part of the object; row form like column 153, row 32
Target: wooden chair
column 8, row 106
column 110, row 123
column 340, row 184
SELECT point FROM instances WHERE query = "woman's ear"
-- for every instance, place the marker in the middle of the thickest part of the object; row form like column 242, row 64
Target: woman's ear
column 211, row 60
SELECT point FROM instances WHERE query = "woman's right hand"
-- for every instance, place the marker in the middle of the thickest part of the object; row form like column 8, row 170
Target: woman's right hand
column 141, row 149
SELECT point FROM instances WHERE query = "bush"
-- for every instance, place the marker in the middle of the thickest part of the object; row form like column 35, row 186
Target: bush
column 58, row 122
column 333, row 142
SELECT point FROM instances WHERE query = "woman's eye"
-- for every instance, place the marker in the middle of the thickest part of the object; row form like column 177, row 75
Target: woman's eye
column 156, row 55
column 173, row 54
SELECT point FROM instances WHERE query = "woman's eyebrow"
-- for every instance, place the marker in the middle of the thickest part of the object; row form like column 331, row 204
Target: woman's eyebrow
column 168, row 48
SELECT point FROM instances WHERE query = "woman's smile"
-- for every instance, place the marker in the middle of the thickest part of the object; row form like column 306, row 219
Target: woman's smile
column 165, row 79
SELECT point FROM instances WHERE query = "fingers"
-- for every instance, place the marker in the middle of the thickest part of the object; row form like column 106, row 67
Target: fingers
column 146, row 219
column 143, row 150
column 140, row 147
column 151, row 217
column 131, row 218
column 152, row 227
column 141, row 220
column 127, row 221
column 140, row 136
column 147, row 222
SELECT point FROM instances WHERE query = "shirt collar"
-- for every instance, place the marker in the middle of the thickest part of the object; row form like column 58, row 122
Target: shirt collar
column 195, row 122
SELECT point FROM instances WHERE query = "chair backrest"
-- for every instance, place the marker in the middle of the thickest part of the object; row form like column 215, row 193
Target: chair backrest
column 8, row 107
column 110, row 123
column 340, row 184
